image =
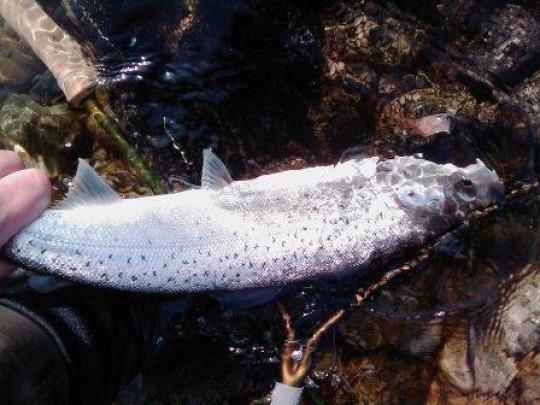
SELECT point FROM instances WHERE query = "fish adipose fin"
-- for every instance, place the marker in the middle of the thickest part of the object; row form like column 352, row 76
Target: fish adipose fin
column 88, row 189
column 214, row 172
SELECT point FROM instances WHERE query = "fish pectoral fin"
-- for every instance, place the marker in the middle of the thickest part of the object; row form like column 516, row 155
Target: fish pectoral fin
column 88, row 189
column 214, row 172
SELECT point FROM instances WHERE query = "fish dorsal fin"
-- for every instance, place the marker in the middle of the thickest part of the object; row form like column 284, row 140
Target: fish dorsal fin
column 214, row 173
column 88, row 189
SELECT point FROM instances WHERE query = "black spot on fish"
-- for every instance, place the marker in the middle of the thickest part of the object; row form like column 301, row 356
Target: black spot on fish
column 73, row 268
column 145, row 273
column 224, row 275
column 43, row 251
column 206, row 273
column 186, row 280
column 87, row 264
column 263, row 265
column 78, row 252
column 120, row 275
column 110, row 257
column 143, row 258
column 129, row 260
column 154, row 273
column 237, row 275
column 133, row 278
column 185, row 261
column 164, row 265
column 283, row 244
column 100, row 262
column 31, row 242
column 173, row 256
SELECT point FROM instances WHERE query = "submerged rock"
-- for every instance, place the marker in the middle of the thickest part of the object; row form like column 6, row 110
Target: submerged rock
column 18, row 64
column 41, row 134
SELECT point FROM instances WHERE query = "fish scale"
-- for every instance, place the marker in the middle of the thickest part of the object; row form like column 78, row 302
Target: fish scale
column 265, row 232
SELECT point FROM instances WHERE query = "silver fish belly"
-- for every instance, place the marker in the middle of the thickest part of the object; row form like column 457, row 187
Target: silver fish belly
column 266, row 232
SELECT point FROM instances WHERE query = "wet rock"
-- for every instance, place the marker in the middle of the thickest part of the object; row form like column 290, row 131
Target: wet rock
column 41, row 134
column 454, row 362
column 18, row 64
column 527, row 95
column 528, row 379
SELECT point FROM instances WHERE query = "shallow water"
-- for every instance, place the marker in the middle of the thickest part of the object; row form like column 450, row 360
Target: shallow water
column 273, row 86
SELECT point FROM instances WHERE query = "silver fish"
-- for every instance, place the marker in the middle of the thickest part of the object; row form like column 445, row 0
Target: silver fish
column 265, row 232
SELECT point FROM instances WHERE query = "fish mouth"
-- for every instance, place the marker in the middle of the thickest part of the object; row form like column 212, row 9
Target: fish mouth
column 493, row 196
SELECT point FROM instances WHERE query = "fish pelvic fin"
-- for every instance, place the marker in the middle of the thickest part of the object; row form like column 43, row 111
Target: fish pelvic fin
column 88, row 189
column 215, row 175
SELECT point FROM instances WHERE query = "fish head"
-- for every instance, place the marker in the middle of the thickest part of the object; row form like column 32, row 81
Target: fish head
column 476, row 186
column 448, row 191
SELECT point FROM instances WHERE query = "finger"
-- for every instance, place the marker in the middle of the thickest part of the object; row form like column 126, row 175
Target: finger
column 10, row 162
column 5, row 269
column 23, row 196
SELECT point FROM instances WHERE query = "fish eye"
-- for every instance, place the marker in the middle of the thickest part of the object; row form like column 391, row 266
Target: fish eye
column 467, row 183
column 465, row 189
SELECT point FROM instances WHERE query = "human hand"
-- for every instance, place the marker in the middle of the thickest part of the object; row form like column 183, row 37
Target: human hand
column 24, row 194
